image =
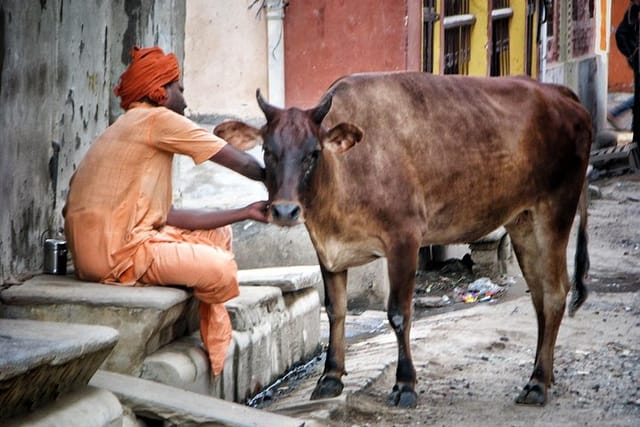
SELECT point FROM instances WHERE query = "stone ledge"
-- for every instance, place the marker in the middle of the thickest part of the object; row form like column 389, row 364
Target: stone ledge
column 39, row 361
column 146, row 317
column 288, row 279
column 256, row 357
column 253, row 306
column 87, row 407
column 51, row 289
column 182, row 407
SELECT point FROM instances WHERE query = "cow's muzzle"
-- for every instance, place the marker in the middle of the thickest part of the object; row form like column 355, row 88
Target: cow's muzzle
column 286, row 213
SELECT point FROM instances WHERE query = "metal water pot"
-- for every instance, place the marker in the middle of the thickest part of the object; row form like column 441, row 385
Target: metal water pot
column 55, row 256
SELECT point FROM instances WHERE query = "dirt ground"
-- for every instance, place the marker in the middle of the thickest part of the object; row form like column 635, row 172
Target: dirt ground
column 471, row 367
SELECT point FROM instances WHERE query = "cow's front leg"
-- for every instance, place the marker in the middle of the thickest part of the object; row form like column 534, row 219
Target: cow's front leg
column 402, row 261
column 335, row 302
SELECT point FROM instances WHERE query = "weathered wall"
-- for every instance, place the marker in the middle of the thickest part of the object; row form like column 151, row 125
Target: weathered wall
column 59, row 61
column 225, row 62
column 327, row 39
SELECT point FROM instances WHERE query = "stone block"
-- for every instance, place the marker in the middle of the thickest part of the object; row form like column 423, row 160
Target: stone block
column 181, row 407
column 300, row 337
column 40, row 361
column 253, row 306
column 493, row 254
column 86, row 407
column 277, row 332
column 183, row 363
column 288, row 279
column 146, row 317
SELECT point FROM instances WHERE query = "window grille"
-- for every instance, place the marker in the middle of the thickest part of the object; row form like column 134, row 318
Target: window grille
column 429, row 17
column 457, row 25
column 528, row 61
column 500, row 16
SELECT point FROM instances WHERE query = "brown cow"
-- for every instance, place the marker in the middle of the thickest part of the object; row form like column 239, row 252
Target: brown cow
column 440, row 160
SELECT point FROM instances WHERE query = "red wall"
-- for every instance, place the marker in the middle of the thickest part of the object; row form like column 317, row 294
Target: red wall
column 326, row 39
column 620, row 74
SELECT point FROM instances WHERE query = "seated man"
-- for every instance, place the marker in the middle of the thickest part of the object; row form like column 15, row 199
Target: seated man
column 119, row 220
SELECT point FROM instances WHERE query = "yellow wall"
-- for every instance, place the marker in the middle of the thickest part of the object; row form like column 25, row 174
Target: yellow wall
column 437, row 36
column 480, row 35
column 517, row 37
column 478, row 65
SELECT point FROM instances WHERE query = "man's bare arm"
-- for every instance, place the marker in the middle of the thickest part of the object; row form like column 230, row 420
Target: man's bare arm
column 206, row 219
column 239, row 161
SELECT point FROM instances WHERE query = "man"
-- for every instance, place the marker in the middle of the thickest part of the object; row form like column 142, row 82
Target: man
column 627, row 42
column 119, row 220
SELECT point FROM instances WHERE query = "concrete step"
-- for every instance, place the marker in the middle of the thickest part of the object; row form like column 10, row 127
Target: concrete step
column 273, row 330
column 86, row 407
column 276, row 323
column 146, row 317
column 39, row 361
column 180, row 407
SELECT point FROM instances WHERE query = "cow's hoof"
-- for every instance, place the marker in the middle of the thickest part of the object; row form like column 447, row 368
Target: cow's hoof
column 327, row 387
column 532, row 394
column 402, row 397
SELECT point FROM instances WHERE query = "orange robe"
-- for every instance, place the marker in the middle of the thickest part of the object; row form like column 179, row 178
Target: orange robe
column 117, row 206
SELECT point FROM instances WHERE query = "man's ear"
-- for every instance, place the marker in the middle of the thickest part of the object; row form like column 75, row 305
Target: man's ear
column 240, row 135
column 342, row 137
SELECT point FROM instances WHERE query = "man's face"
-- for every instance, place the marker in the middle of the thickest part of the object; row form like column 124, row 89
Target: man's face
column 175, row 99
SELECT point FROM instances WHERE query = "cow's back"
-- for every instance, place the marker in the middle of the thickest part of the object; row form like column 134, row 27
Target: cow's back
column 451, row 149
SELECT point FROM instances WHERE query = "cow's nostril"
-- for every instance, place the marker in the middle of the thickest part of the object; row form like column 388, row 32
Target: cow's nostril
column 287, row 212
column 295, row 213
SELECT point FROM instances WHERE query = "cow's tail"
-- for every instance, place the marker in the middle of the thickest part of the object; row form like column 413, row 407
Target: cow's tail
column 579, row 290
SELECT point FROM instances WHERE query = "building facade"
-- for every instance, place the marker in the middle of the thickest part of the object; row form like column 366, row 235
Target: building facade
column 59, row 61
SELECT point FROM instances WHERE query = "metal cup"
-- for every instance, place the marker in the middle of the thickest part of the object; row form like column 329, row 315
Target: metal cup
column 55, row 256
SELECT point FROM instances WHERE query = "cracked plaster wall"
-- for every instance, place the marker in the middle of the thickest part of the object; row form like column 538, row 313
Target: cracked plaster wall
column 59, row 61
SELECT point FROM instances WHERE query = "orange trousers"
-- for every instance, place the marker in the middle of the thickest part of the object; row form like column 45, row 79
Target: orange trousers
column 202, row 260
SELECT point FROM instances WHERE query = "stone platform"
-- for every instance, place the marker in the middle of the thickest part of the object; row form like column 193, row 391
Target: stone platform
column 40, row 361
column 146, row 317
column 276, row 324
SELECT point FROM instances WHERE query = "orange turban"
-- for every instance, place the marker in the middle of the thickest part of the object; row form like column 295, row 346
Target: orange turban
column 150, row 70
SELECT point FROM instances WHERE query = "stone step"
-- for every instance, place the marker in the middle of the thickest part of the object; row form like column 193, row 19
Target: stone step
column 180, row 407
column 272, row 331
column 288, row 279
column 86, row 407
column 146, row 317
column 276, row 323
column 39, row 361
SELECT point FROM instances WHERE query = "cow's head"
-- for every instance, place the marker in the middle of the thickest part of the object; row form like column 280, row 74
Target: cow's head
column 293, row 142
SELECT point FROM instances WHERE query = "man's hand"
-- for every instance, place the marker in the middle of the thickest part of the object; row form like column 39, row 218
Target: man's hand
column 258, row 211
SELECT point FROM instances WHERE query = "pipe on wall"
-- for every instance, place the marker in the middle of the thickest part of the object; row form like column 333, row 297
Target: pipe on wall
column 275, row 54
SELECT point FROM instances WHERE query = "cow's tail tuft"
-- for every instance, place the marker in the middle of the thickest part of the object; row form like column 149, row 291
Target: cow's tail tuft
column 579, row 290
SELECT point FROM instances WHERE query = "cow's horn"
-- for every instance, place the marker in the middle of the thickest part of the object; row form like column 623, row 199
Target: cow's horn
column 268, row 109
column 321, row 110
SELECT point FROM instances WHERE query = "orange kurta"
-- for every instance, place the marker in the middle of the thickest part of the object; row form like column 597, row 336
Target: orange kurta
column 117, row 207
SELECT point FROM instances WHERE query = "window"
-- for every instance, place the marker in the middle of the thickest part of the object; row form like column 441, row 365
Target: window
column 457, row 25
column 531, row 10
column 429, row 17
column 501, row 13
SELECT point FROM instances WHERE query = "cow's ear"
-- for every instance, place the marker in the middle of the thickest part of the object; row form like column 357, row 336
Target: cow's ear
column 240, row 135
column 342, row 137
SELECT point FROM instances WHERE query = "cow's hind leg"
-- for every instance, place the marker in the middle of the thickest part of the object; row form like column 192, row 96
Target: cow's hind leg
column 335, row 301
column 539, row 240
column 402, row 261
